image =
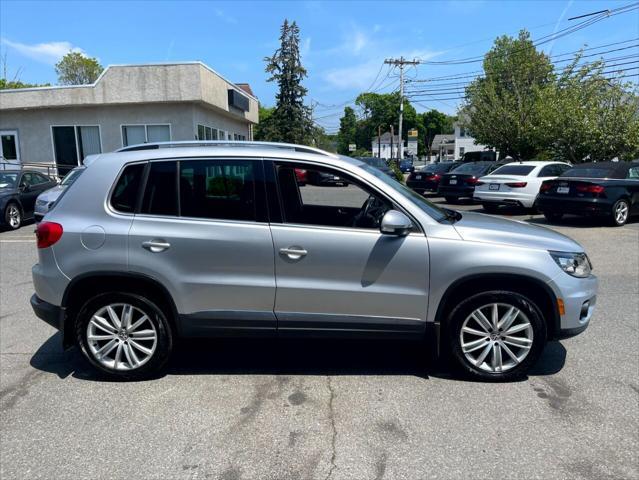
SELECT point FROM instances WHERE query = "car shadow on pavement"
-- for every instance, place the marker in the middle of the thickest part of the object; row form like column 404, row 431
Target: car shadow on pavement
column 275, row 356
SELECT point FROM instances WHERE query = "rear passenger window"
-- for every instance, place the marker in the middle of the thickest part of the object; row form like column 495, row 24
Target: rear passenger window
column 125, row 193
column 218, row 189
column 160, row 194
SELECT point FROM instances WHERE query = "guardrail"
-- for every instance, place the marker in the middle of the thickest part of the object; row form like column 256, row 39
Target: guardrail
column 51, row 169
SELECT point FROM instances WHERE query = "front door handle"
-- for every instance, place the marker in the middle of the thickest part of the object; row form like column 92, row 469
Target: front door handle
column 156, row 246
column 294, row 253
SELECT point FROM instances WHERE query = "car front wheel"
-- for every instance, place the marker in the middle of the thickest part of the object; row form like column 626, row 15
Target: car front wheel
column 124, row 335
column 13, row 216
column 496, row 336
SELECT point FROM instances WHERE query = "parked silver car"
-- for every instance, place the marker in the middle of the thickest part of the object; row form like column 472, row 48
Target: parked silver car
column 205, row 239
column 47, row 198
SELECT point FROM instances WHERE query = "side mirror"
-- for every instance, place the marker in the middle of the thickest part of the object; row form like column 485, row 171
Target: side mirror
column 395, row 223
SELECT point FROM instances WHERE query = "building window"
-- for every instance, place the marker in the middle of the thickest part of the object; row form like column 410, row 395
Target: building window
column 205, row 132
column 72, row 144
column 136, row 134
column 462, row 132
column 461, row 151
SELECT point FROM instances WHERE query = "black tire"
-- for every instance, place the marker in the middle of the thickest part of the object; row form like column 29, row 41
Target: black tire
column 451, row 199
column 553, row 216
column 614, row 220
column 10, row 211
column 490, row 207
column 466, row 307
column 155, row 315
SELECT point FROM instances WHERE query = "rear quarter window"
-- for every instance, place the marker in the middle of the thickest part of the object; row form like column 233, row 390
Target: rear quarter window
column 125, row 193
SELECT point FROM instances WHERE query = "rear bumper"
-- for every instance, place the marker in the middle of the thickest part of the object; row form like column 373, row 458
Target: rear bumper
column 574, row 206
column 420, row 186
column 504, row 198
column 456, row 191
column 51, row 314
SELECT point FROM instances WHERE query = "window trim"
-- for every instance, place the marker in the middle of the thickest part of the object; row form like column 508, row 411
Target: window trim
column 146, row 130
column 418, row 229
column 138, row 200
column 77, row 145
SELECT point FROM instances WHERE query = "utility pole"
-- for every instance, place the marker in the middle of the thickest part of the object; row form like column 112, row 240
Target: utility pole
column 392, row 127
column 379, row 141
column 401, row 62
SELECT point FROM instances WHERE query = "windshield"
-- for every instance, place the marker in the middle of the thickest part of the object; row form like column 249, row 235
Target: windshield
column 375, row 162
column 427, row 207
column 522, row 170
column 71, row 177
column 437, row 167
column 8, row 180
column 470, row 168
column 590, row 172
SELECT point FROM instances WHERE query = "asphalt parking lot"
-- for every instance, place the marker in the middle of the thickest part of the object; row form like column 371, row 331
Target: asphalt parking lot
column 301, row 409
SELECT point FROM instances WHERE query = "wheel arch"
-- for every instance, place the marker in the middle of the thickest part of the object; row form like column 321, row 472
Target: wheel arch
column 534, row 289
column 83, row 287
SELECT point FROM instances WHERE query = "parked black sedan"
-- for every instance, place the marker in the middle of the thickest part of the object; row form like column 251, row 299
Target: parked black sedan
column 606, row 189
column 462, row 180
column 18, row 192
column 427, row 178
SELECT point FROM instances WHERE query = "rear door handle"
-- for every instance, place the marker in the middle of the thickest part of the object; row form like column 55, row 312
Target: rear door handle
column 294, row 253
column 156, row 246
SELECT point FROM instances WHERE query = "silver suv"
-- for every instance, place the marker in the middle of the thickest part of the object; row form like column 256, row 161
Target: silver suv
column 200, row 239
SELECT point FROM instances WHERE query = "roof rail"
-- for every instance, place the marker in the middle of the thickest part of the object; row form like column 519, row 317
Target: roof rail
column 226, row 143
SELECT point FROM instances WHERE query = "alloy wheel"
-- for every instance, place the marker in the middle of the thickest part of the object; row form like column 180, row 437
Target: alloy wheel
column 496, row 337
column 121, row 337
column 621, row 212
column 13, row 216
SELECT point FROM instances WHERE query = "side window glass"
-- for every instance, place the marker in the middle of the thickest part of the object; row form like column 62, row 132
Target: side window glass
column 633, row 173
column 160, row 193
column 125, row 193
column 40, row 178
column 328, row 198
column 218, row 189
column 26, row 179
column 546, row 171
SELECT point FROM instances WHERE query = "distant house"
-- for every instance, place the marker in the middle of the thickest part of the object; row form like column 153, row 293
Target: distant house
column 381, row 146
column 454, row 146
column 126, row 105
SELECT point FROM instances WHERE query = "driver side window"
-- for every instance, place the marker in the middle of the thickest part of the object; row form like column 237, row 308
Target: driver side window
column 322, row 196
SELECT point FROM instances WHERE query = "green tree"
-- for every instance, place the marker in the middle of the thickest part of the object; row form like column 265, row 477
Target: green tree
column 291, row 118
column 433, row 123
column 11, row 84
column 591, row 116
column 265, row 130
column 76, row 69
column 504, row 109
column 347, row 131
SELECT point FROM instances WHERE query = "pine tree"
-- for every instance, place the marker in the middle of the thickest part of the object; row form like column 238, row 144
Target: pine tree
column 291, row 118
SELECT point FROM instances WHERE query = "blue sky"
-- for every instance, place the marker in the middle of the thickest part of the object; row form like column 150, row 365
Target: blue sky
column 343, row 43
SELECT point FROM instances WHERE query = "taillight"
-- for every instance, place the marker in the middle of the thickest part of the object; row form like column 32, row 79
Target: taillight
column 517, row 184
column 434, row 176
column 590, row 188
column 472, row 181
column 545, row 187
column 48, row 233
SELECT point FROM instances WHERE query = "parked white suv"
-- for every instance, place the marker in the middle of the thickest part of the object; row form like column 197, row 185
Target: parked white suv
column 207, row 239
column 516, row 183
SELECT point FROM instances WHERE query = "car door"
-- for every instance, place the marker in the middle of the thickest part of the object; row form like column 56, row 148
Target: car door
column 29, row 191
column 334, row 270
column 632, row 179
column 201, row 229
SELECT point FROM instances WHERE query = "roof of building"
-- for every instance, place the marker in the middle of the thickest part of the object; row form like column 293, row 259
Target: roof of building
column 246, row 87
column 386, row 138
column 143, row 83
column 442, row 139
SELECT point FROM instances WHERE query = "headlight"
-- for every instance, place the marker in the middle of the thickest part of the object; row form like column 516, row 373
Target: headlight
column 575, row 264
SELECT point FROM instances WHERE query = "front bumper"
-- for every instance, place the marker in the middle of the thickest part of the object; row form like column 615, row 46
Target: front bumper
column 579, row 296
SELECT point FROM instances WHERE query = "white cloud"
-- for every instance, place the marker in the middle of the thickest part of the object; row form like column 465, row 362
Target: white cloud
column 49, row 53
column 221, row 14
column 306, row 47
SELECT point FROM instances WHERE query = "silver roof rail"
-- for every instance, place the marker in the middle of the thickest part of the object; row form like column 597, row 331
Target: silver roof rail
column 226, row 143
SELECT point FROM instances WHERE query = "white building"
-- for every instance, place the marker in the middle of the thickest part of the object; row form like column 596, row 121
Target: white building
column 454, row 146
column 381, row 146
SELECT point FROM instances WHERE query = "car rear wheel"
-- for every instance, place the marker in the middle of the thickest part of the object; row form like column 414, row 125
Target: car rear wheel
column 13, row 216
column 451, row 199
column 490, row 207
column 553, row 216
column 496, row 336
column 620, row 212
column 124, row 335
